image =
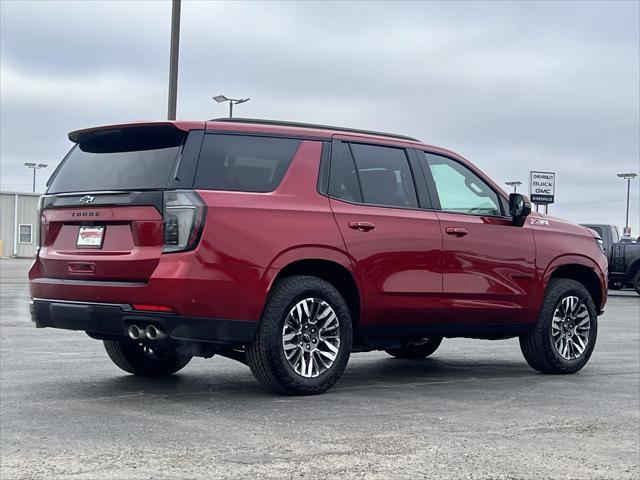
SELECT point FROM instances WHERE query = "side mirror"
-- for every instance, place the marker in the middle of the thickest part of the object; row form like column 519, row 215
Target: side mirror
column 519, row 208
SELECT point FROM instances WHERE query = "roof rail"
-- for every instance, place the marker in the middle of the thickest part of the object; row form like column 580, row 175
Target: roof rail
column 281, row 123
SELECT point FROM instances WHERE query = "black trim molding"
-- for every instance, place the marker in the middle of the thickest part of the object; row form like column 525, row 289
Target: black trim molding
column 104, row 320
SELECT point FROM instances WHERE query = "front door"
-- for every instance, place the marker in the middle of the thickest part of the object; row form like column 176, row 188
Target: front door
column 488, row 263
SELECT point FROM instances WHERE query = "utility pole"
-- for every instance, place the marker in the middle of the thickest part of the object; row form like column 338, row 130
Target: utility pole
column 628, row 177
column 173, row 59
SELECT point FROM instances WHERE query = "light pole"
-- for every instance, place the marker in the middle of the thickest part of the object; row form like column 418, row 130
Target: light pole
column 628, row 177
column 173, row 59
column 515, row 184
column 34, row 167
column 232, row 102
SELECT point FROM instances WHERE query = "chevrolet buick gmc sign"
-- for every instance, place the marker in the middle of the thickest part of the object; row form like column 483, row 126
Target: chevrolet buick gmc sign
column 542, row 187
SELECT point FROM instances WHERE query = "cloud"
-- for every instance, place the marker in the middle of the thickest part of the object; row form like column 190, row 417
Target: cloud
column 514, row 86
column 111, row 90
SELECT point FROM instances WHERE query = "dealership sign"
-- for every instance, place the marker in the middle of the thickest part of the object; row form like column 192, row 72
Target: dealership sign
column 542, row 187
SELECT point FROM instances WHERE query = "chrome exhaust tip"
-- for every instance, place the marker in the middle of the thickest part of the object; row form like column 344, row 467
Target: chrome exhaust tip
column 135, row 332
column 154, row 333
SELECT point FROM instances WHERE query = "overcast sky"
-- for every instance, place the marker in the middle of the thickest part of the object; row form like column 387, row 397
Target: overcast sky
column 513, row 86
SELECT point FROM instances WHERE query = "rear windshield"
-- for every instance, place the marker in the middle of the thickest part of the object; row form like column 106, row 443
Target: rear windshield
column 123, row 159
column 243, row 162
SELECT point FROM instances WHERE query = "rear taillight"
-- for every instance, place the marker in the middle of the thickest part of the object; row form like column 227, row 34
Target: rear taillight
column 184, row 214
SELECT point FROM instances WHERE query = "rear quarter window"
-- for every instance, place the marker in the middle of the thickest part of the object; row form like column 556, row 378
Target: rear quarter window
column 244, row 163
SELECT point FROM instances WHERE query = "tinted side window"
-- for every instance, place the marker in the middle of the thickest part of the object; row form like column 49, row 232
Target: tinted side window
column 244, row 163
column 459, row 189
column 343, row 179
column 385, row 176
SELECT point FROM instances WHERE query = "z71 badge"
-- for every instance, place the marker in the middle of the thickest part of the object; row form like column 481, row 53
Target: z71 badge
column 539, row 221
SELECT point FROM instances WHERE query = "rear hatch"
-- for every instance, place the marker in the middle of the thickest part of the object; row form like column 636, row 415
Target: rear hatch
column 108, row 214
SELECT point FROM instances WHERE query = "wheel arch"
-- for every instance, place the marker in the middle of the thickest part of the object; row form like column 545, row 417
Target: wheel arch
column 333, row 271
column 582, row 270
column 634, row 268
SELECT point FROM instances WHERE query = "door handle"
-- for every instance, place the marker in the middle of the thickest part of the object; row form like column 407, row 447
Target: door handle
column 362, row 226
column 456, row 231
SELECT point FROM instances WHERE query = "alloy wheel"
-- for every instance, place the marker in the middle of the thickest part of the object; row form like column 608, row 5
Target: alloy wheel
column 570, row 328
column 311, row 337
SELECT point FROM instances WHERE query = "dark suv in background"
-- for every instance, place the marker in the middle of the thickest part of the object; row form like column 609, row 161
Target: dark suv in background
column 290, row 246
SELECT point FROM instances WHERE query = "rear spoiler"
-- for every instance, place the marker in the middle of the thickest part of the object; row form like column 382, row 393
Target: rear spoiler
column 128, row 138
column 86, row 134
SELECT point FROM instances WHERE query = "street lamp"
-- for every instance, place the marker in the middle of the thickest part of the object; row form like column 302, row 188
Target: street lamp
column 34, row 167
column 232, row 102
column 515, row 184
column 628, row 177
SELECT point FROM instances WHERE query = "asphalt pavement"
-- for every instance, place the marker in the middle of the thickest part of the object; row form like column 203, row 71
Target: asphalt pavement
column 475, row 410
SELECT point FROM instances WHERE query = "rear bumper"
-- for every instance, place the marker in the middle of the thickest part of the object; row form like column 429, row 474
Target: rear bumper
column 182, row 281
column 112, row 320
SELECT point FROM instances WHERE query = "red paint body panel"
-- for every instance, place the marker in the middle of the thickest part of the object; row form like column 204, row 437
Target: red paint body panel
column 257, row 229
column 131, row 247
column 414, row 266
column 489, row 272
column 181, row 280
column 399, row 262
column 564, row 243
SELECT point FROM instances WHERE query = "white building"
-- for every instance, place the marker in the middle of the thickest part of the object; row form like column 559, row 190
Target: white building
column 18, row 224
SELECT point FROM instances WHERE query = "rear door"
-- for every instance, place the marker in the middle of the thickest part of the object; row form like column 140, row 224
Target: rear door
column 102, row 216
column 488, row 263
column 397, row 245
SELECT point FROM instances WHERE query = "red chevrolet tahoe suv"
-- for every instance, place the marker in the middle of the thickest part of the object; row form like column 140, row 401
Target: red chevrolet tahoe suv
column 289, row 246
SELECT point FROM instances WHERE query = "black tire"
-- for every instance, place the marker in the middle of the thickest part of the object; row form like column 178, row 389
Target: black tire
column 636, row 282
column 537, row 345
column 266, row 356
column 414, row 350
column 131, row 357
